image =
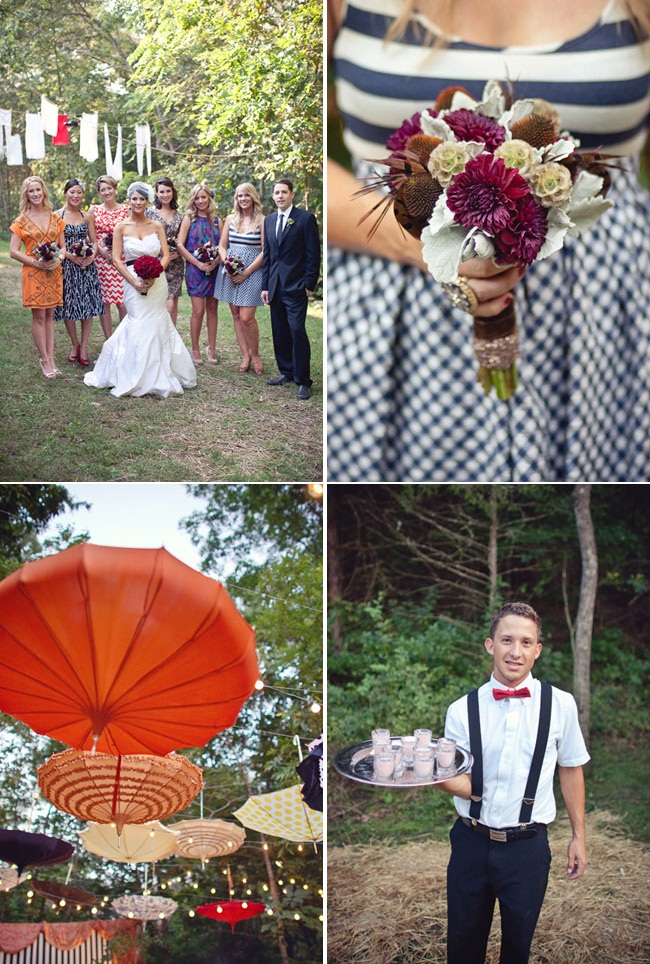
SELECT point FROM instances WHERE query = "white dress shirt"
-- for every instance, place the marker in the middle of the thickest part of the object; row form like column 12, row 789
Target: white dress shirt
column 508, row 732
column 286, row 215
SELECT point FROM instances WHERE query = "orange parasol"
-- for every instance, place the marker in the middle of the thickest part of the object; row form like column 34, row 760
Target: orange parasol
column 119, row 789
column 127, row 650
column 136, row 844
column 203, row 839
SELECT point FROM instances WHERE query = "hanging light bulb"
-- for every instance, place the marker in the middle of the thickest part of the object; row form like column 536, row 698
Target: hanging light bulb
column 191, row 913
column 269, row 912
column 259, row 685
column 296, row 916
column 315, row 707
column 300, row 847
column 315, row 490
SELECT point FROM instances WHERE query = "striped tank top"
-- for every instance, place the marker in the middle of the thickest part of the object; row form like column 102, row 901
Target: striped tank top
column 599, row 82
column 252, row 239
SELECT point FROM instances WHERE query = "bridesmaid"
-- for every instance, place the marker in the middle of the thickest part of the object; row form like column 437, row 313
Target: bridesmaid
column 42, row 280
column 166, row 211
column 199, row 226
column 243, row 237
column 107, row 215
column 82, row 293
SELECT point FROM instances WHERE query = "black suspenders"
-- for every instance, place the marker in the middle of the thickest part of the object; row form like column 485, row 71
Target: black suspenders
column 476, row 746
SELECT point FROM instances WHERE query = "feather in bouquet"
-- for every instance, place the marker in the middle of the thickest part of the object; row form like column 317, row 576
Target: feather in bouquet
column 234, row 265
column 147, row 268
column 47, row 251
column 496, row 179
column 206, row 253
column 81, row 249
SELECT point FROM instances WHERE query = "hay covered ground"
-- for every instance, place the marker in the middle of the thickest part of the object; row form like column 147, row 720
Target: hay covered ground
column 386, row 903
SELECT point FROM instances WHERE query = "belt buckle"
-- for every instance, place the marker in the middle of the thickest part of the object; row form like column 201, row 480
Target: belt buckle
column 499, row 835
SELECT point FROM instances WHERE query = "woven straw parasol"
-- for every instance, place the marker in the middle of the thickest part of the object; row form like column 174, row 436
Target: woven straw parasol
column 119, row 789
column 137, row 844
column 203, row 839
column 123, row 650
column 144, row 908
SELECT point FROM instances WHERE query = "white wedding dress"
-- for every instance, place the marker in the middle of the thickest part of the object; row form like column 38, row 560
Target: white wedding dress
column 145, row 354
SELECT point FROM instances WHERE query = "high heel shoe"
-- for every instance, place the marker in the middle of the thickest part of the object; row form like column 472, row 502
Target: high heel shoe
column 47, row 374
column 245, row 365
column 196, row 358
column 258, row 367
column 83, row 361
column 212, row 359
column 74, row 355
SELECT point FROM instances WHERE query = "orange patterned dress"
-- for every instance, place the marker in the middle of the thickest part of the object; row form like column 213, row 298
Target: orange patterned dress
column 41, row 289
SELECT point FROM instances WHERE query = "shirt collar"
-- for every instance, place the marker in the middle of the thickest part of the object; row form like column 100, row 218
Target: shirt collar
column 529, row 682
column 286, row 213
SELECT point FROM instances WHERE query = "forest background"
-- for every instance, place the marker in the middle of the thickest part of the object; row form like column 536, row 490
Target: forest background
column 273, row 536
column 232, row 91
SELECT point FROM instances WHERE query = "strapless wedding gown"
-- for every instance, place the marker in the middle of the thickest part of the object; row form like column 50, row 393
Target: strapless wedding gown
column 145, row 354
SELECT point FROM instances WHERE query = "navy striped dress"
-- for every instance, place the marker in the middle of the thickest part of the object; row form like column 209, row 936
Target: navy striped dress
column 403, row 401
column 248, row 292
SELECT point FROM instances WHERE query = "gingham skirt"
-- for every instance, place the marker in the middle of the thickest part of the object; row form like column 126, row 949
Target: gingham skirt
column 403, row 401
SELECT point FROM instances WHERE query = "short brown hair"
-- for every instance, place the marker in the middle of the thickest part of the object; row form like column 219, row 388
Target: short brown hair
column 516, row 609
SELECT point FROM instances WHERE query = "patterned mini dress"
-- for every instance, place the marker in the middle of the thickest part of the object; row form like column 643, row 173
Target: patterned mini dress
column 41, row 289
column 246, row 294
column 110, row 279
column 404, row 404
column 82, row 293
column 175, row 270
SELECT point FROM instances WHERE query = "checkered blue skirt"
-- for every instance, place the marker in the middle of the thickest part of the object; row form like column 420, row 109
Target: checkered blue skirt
column 403, row 401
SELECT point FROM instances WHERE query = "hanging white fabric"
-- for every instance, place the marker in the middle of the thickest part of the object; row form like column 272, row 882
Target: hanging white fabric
column 49, row 116
column 113, row 164
column 5, row 129
column 14, row 150
column 88, row 137
column 142, row 141
column 34, row 137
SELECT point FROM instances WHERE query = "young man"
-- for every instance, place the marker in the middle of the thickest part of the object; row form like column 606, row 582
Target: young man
column 290, row 270
column 516, row 728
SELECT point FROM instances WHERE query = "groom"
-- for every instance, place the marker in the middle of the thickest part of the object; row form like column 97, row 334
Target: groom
column 290, row 271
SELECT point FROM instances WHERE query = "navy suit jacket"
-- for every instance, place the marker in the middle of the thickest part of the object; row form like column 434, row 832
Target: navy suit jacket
column 291, row 264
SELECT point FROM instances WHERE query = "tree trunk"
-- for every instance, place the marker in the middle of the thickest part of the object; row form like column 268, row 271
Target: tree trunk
column 586, row 604
column 334, row 580
column 492, row 551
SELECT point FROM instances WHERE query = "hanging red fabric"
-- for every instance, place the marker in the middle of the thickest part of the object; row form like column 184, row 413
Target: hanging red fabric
column 62, row 136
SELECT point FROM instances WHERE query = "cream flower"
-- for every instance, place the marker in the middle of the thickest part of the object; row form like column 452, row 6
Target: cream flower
column 518, row 154
column 551, row 184
column 447, row 160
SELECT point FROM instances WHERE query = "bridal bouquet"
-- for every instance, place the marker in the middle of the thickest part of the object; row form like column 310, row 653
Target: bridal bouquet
column 47, row 251
column 147, row 268
column 108, row 240
column 206, row 252
column 234, row 265
column 496, row 179
column 81, row 249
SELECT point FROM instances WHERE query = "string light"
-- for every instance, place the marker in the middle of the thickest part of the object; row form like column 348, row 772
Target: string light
column 315, row 490
column 191, row 914
column 259, row 685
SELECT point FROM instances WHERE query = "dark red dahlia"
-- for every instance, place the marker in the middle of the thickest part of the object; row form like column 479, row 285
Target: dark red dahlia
column 468, row 126
column 525, row 233
column 485, row 195
column 408, row 128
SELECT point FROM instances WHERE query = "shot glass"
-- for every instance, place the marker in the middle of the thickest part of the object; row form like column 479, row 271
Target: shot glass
column 380, row 737
column 423, row 737
column 423, row 762
column 446, row 755
column 408, row 747
column 384, row 764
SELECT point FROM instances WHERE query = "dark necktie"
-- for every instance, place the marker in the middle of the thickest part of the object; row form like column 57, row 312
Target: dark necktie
column 280, row 226
column 502, row 694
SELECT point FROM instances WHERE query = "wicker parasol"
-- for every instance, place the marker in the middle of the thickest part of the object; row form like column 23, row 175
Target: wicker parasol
column 203, row 839
column 119, row 789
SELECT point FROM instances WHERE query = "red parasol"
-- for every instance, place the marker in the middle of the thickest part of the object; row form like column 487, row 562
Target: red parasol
column 129, row 650
column 231, row 910
column 119, row 789
column 32, row 849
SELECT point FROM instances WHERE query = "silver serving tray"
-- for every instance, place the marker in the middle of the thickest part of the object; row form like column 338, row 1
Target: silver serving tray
column 357, row 763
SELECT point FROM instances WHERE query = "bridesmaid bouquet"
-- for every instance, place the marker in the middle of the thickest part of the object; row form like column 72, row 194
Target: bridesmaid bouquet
column 496, row 179
column 234, row 265
column 108, row 240
column 81, row 249
column 147, row 268
column 47, row 251
column 206, row 253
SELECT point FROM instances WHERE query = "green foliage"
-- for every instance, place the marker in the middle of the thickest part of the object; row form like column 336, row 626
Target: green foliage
column 25, row 511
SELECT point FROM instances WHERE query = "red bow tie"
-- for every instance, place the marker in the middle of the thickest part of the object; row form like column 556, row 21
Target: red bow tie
column 502, row 694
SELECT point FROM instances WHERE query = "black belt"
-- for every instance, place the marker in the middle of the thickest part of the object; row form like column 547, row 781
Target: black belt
column 507, row 833
column 128, row 263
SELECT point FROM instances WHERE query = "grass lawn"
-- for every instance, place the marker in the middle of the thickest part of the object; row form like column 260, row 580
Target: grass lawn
column 230, row 428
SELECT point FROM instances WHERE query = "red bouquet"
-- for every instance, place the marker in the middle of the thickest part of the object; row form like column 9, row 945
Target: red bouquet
column 147, row 268
column 206, row 252
column 234, row 265
column 81, row 249
column 47, row 251
column 108, row 240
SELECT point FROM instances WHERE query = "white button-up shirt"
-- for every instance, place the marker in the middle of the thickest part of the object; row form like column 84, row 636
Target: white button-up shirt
column 508, row 732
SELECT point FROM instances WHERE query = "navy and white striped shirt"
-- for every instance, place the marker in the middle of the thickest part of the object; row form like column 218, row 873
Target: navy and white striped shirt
column 599, row 82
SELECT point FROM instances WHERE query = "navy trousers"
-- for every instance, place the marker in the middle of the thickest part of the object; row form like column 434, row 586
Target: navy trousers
column 481, row 871
column 290, row 341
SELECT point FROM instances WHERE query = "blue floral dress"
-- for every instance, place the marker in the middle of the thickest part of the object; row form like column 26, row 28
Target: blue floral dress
column 202, row 231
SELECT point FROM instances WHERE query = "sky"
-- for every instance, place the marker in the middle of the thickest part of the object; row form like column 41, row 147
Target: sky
column 142, row 515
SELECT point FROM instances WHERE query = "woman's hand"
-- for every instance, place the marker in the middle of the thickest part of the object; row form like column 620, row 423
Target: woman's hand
column 491, row 283
column 238, row 278
column 47, row 265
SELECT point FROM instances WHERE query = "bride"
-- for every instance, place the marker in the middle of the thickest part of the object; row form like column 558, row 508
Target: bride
column 145, row 355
